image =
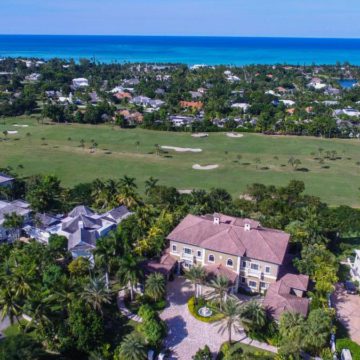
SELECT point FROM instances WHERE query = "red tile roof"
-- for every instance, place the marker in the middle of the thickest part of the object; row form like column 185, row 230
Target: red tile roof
column 280, row 297
column 163, row 265
column 193, row 104
column 231, row 236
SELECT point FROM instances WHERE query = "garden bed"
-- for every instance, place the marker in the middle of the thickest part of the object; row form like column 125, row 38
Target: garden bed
column 194, row 310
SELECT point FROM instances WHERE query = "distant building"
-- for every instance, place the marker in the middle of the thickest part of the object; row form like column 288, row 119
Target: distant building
column 192, row 104
column 80, row 83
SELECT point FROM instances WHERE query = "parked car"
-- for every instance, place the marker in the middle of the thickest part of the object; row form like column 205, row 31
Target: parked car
column 350, row 287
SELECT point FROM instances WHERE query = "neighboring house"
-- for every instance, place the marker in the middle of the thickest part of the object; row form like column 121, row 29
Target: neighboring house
column 288, row 102
column 5, row 180
column 192, row 104
column 180, row 120
column 133, row 118
column 33, row 77
column 82, row 227
column 355, row 266
column 123, row 95
column 147, row 102
column 18, row 207
column 349, row 111
column 241, row 106
column 251, row 256
column 80, row 83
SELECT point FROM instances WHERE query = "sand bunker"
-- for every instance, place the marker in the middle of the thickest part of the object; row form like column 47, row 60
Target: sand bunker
column 206, row 167
column 185, row 191
column 200, row 135
column 234, row 135
column 12, row 132
column 23, row 126
column 180, row 149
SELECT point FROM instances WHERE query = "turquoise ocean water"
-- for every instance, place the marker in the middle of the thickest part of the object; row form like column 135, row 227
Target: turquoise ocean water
column 188, row 50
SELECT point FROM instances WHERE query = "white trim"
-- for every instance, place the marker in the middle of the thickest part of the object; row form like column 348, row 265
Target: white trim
column 211, row 261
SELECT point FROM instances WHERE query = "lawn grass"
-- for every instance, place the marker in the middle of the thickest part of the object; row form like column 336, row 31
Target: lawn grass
column 247, row 351
column 56, row 149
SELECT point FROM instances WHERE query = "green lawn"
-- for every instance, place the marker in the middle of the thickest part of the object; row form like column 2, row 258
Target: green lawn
column 60, row 153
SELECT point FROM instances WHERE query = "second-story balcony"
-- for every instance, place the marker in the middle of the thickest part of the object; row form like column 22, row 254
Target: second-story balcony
column 252, row 272
column 187, row 256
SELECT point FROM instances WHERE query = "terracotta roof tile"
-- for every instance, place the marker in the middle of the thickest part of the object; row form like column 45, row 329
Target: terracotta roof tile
column 230, row 236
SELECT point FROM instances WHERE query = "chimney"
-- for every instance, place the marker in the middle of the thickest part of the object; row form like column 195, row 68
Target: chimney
column 247, row 227
column 216, row 219
column 81, row 224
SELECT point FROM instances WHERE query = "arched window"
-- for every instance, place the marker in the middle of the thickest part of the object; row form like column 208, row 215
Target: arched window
column 229, row 263
column 211, row 258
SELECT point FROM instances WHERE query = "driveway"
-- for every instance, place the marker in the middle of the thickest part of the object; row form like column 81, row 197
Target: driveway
column 347, row 309
column 186, row 334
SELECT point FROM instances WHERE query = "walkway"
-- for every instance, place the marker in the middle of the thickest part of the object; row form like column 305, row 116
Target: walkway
column 124, row 310
column 186, row 334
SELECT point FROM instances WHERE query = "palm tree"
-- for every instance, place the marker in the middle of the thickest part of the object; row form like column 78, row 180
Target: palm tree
column 157, row 149
column 96, row 294
column 132, row 348
column 9, row 303
column 220, row 287
column 232, row 321
column 82, row 143
column 128, row 197
column 13, row 222
column 197, row 275
column 128, row 182
column 137, row 145
column 155, row 286
column 130, row 272
column 253, row 316
column 150, row 184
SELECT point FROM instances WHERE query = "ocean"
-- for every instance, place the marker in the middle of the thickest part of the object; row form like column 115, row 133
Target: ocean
column 187, row 50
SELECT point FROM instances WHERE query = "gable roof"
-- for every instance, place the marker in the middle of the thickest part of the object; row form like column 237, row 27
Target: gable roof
column 80, row 210
column 231, row 236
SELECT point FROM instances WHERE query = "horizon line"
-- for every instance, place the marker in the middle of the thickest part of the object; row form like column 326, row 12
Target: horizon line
column 194, row 36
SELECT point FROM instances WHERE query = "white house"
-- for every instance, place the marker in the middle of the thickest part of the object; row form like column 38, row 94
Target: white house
column 18, row 207
column 241, row 106
column 288, row 102
column 82, row 227
column 5, row 180
column 80, row 83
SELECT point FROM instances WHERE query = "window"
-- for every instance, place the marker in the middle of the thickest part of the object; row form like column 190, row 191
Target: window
column 174, row 248
column 229, row 263
column 244, row 264
column 243, row 280
column 187, row 251
column 254, row 266
column 252, row 284
column 263, row 285
column 199, row 253
column 267, row 269
column 211, row 258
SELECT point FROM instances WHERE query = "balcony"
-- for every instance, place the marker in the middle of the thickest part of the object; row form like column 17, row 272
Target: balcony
column 255, row 273
column 187, row 256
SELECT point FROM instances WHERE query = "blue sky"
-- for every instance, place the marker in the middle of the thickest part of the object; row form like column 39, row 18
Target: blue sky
column 302, row 18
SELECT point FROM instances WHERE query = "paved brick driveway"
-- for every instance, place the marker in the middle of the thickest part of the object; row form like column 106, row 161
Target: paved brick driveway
column 186, row 334
column 348, row 311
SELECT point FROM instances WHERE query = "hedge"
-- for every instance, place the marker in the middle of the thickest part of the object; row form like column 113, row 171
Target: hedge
column 193, row 309
column 348, row 344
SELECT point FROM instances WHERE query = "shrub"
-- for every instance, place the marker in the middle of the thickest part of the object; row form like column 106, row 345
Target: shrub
column 203, row 354
column 193, row 309
column 146, row 312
